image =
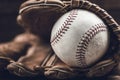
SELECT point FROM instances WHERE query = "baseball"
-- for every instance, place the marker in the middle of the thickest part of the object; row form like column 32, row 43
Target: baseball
column 79, row 38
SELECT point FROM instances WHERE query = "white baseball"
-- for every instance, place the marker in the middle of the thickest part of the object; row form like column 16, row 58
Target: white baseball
column 79, row 38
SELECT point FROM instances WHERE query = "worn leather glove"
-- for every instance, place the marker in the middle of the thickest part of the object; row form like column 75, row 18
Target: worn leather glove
column 40, row 59
column 109, row 61
column 38, row 17
column 26, row 64
column 11, row 51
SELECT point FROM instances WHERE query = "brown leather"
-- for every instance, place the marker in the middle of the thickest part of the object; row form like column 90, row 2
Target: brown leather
column 106, row 65
column 114, row 77
column 36, row 16
column 102, row 68
column 39, row 20
column 54, row 68
column 26, row 64
column 39, row 16
column 11, row 51
column 113, row 26
column 40, row 60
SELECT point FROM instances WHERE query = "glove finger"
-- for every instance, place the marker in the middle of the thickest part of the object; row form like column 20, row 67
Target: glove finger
column 4, row 61
column 25, row 65
column 58, row 72
column 58, row 69
column 37, row 16
column 10, row 52
column 114, row 77
column 20, row 70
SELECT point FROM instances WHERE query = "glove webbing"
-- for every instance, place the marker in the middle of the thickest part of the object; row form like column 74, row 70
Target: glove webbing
column 108, row 65
column 43, row 4
column 84, row 4
column 47, row 63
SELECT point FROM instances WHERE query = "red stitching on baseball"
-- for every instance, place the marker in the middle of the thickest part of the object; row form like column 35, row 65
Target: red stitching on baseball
column 84, row 42
column 65, row 26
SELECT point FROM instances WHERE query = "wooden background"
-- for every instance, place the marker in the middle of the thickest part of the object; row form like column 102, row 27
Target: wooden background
column 9, row 27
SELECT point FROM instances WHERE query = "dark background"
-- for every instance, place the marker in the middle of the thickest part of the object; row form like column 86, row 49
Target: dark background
column 8, row 12
column 9, row 27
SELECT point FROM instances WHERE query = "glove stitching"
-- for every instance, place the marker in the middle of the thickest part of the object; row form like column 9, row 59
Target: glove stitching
column 35, row 5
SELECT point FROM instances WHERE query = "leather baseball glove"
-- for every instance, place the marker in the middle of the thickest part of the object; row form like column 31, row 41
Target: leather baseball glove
column 38, row 17
column 109, row 62
column 12, row 50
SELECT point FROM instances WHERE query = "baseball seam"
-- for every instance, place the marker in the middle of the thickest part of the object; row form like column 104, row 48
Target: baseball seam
column 84, row 42
column 65, row 26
